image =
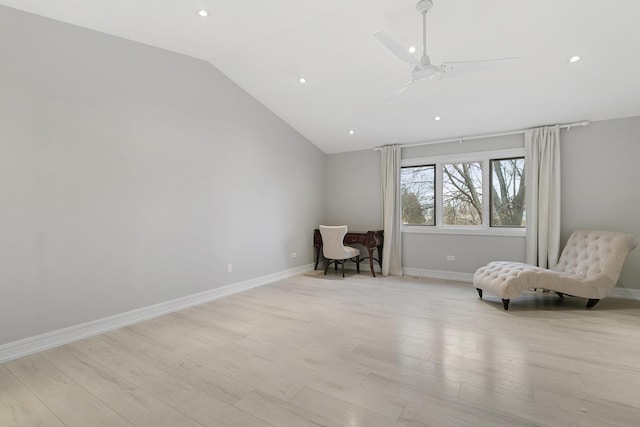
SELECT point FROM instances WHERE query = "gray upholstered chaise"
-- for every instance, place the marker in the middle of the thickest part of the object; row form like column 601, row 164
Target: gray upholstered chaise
column 589, row 267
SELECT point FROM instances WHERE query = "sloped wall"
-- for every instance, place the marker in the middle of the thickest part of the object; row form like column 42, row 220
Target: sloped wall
column 131, row 176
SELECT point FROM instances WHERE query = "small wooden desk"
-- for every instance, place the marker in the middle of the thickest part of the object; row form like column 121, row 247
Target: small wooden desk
column 371, row 240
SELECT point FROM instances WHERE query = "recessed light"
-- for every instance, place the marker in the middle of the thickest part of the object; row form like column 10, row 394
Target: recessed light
column 412, row 49
column 352, row 132
column 575, row 58
column 437, row 118
column 203, row 13
column 302, row 80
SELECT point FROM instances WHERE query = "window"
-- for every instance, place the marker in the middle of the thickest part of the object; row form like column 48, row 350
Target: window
column 462, row 193
column 418, row 195
column 476, row 191
column 507, row 193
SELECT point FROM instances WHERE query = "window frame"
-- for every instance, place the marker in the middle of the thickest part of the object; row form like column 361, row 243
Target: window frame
column 482, row 157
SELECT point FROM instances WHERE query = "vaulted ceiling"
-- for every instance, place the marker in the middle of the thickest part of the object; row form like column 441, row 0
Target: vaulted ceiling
column 267, row 46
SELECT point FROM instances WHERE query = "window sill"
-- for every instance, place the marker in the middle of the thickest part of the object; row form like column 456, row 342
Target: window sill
column 478, row 231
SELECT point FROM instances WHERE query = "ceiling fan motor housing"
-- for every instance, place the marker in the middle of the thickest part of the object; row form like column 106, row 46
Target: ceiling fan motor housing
column 426, row 72
column 424, row 6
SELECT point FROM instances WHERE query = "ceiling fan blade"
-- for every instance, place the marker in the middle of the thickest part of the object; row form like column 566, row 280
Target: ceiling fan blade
column 399, row 90
column 452, row 69
column 395, row 47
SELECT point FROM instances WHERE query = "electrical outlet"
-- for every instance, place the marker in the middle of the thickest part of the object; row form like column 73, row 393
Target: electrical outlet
column 229, row 268
column 451, row 258
column 293, row 254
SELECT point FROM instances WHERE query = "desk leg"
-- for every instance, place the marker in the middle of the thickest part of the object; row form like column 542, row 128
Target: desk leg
column 371, row 261
column 317, row 257
column 380, row 256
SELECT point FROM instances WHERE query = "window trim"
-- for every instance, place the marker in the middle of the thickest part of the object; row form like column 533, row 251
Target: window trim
column 484, row 158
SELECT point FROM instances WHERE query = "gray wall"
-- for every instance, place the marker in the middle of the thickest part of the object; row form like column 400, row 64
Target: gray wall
column 352, row 190
column 599, row 173
column 131, row 176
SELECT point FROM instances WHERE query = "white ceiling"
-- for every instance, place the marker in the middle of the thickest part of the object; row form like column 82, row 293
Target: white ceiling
column 266, row 45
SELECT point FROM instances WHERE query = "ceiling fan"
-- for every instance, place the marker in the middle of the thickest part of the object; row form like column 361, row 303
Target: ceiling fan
column 423, row 69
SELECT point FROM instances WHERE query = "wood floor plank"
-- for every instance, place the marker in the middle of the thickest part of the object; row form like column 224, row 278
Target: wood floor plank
column 78, row 408
column 71, row 403
column 145, row 410
column 333, row 385
column 20, row 407
column 281, row 413
column 97, row 379
column 40, row 376
column 214, row 412
column 406, row 388
column 439, row 412
column 599, row 409
column 4, row 371
column 181, row 367
column 147, row 377
column 338, row 410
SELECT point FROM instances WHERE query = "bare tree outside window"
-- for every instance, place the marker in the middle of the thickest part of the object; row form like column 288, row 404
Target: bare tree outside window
column 507, row 193
column 462, row 193
column 418, row 195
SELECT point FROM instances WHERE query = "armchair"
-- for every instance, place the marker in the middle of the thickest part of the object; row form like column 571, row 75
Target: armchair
column 334, row 249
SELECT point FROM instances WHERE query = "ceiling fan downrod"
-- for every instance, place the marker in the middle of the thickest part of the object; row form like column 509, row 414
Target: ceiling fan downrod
column 423, row 7
column 425, row 70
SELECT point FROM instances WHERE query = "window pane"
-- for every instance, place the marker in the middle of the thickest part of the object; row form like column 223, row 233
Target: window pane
column 462, row 193
column 418, row 194
column 507, row 193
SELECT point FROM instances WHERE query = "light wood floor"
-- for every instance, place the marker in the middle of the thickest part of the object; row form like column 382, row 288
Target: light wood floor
column 361, row 351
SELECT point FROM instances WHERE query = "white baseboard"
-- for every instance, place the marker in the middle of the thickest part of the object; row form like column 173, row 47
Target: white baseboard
column 625, row 293
column 27, row 346
column 438, row 274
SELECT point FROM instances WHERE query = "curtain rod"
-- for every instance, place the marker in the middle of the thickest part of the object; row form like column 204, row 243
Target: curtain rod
column 567, row 126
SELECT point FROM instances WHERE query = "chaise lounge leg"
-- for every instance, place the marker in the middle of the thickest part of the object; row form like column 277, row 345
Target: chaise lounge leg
column 592, row 302
column 505, row 303
column 479, row 292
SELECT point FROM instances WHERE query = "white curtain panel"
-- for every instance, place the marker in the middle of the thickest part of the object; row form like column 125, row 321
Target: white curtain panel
column 542, row 181
column 391, row 251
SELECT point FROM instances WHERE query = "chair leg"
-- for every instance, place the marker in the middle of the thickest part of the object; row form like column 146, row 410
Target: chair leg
column 326, row 268
column 505, row 303
column 343, row 262
column 358, row 264
column 592, row 302
column 479, row 292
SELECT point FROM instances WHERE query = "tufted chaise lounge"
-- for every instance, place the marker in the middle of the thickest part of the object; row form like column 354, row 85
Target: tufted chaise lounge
column 589, row 267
